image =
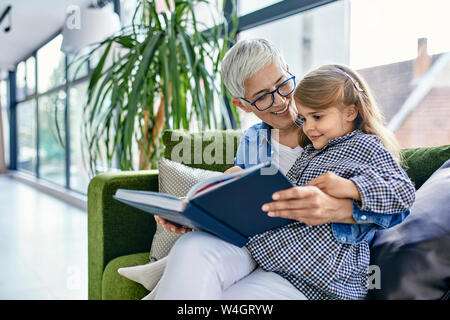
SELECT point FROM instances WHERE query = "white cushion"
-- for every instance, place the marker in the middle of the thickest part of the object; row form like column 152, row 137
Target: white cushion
column 148, row 274
column 176, row 179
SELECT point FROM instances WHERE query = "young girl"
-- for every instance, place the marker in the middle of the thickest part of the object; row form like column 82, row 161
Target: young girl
column 348, row 154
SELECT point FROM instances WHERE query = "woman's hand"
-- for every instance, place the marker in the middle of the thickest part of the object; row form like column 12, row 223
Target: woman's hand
column 181, row 230
column 170, row 227
column 309, row 205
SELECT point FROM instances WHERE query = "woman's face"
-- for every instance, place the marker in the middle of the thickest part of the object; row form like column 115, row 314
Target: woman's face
column 282, row 114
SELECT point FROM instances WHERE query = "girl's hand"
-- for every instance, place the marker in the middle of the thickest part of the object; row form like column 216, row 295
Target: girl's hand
column 170, row 227
column 233, row 169
column 336, row 186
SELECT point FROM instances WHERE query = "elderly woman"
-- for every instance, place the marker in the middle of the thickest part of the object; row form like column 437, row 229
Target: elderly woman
column 201, row 266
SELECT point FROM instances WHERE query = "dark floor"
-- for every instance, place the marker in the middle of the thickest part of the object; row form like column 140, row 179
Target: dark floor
column 43, row 245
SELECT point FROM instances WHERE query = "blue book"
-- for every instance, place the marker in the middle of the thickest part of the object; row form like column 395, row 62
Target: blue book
column 228, row 205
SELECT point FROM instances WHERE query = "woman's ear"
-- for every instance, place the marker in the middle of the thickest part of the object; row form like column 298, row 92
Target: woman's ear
column 238, row 103
column 351, row 112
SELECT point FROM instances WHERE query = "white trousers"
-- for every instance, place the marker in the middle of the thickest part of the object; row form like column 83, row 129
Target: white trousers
column 201, row 266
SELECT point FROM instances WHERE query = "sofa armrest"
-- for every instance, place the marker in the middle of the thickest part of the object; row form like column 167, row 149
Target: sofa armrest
column 114, row 228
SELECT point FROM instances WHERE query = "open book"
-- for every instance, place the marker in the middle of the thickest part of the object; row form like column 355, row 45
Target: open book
column 228, row 205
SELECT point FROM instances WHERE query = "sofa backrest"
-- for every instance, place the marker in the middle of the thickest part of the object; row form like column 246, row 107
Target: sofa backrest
column 210, row 150
column 215, row 150
column 422, row 162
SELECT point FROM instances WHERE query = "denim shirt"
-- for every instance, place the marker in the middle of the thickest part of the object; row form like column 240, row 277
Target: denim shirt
column 255, row 148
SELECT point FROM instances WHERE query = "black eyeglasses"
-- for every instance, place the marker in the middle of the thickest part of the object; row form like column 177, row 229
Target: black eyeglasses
column 266, row 100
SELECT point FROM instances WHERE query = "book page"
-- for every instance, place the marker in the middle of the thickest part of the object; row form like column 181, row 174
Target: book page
column 151, row 198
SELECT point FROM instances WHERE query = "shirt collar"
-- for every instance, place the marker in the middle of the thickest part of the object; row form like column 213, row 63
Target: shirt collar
column 349, row 135
column 337, row 140
column 258, row 127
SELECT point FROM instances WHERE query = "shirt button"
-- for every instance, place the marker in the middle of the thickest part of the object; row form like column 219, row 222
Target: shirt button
column 363, row 217
column 343, row 239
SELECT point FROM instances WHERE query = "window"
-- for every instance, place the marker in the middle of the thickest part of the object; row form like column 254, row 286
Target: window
column 404, row 57
column 52, row 137
column 42, row 88
column 26, row 135
column 76, row 68
column 208, row 14
column 31, row 76
column 306, row 40
column 49, row 161
column 3, row 93
column 400, row 47
column 4, row 118
column 245, row 6
column 127, row 9
column 26, row 78
column 51, row 65
column 21, row 84
column 383, row 32
column 79, row 176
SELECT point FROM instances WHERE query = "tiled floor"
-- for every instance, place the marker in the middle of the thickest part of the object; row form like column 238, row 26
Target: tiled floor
column 43, row 245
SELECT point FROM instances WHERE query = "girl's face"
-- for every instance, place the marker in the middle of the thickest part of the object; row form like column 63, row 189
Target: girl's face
column 322, row 125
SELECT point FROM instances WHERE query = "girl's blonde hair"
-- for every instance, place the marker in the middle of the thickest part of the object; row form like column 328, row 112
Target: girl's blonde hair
column 338, row 85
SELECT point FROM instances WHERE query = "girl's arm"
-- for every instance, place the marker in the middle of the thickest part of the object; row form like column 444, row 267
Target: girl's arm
column 384, row 191
column 233, row 169
column 336, row 186
column 376, row 181
column 383, row 185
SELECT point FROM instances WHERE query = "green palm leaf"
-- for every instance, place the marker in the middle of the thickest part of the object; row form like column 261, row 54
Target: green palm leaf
column 159, row 55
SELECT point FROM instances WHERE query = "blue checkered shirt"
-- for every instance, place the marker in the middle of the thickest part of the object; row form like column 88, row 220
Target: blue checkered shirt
column 311, row 257
column 255, row 148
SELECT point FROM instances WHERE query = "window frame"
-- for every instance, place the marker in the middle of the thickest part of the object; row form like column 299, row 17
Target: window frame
column 13, row 102
column 277, row 11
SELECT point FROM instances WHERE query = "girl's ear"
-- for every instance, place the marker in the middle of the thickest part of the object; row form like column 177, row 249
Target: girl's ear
column 238, row 103
column 351, row 112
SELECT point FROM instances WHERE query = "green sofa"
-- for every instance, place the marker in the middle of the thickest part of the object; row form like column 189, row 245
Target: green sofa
column 120, row 236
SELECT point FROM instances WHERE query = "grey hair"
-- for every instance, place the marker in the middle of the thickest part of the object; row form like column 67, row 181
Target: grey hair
column 245, row 59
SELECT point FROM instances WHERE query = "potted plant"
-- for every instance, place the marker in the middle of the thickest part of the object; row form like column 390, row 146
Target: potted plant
column 160, row 72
